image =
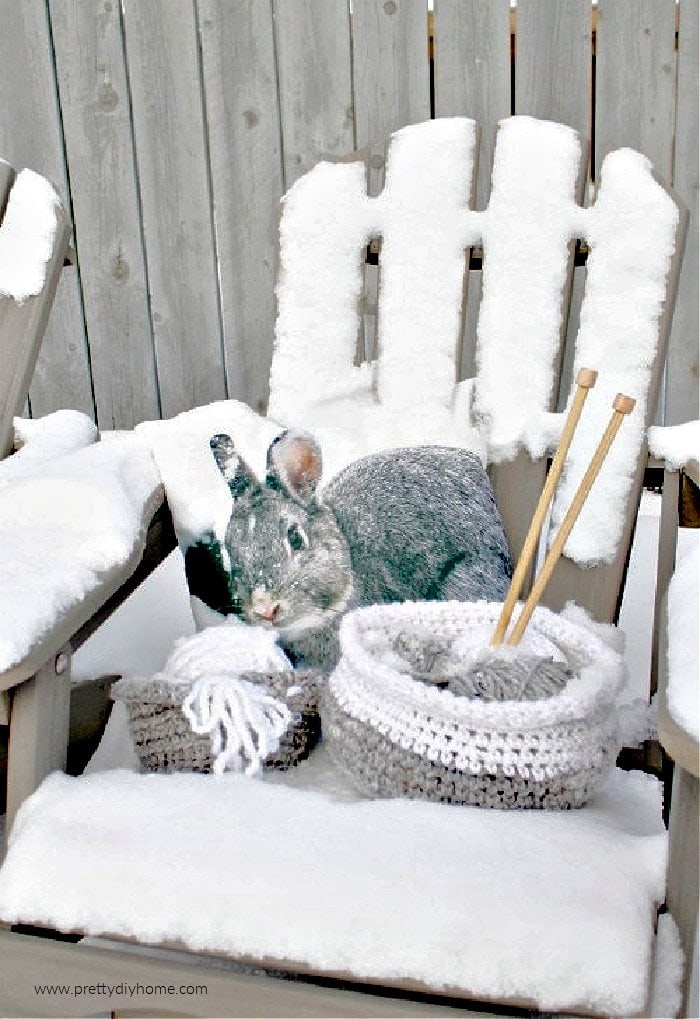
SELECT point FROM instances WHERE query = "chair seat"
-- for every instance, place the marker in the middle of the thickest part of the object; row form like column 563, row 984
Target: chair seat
column 551, row 909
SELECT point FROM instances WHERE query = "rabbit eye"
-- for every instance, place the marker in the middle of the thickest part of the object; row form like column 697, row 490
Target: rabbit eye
column 297, row 538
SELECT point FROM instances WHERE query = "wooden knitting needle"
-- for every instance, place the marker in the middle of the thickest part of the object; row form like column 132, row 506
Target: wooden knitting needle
column 585, row 380
column 622, row 406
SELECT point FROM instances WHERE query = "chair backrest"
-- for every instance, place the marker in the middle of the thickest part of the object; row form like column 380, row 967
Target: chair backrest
column 528, row 237
column 22, row 324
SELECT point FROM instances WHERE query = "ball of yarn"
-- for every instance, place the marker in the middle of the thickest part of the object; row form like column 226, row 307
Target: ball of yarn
column 509, row 674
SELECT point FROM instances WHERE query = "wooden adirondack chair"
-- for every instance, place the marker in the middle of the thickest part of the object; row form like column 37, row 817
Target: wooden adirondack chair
column 21, row 331
column 40, row 698
column 36, row 700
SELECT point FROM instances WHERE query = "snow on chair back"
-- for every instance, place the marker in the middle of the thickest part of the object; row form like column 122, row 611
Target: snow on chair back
column 34, row 234
column 410, row 394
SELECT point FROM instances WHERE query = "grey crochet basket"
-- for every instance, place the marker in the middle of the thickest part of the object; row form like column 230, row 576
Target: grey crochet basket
column 395, row 735
column 165, row 742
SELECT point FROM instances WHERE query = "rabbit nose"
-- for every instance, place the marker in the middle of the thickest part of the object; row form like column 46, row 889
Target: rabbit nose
column 264, row 606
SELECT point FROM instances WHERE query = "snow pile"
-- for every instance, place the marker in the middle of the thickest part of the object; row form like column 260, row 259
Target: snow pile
column 553, row 907
column 676, row 444
column 42, row 440
column 683, row 690
column 196, row 491
column 65, row 531
column 532, row 205
column 409, row 396
column 26, row 236
column 631, row 232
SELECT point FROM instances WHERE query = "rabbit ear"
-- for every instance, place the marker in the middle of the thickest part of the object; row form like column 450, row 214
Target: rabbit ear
column 294, row 464
column 236, row 472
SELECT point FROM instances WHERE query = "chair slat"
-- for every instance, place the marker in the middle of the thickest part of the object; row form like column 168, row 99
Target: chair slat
column 599, row 589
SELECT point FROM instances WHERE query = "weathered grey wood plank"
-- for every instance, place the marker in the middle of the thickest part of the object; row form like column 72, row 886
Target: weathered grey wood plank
column 38, row 730
column 21, row 332
column 635, row 70
column 391, row 88
column 30, row 135
column 171, row 155
column 473, row 79
column 99, row 149
column 682, row 369
column 246, row 165
column 391, row 74
column 312, row 39
column 7, row 175
column 682, row 891
column 472, row 71
column 553, row 61
column 26, row 961
column 553, row 82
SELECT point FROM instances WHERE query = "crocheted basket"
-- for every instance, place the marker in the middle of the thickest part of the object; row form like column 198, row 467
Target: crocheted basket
column 395, row 735
column 164, row 740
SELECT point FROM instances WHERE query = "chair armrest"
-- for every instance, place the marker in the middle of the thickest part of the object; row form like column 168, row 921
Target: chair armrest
column 677, row 447
column 81, row 621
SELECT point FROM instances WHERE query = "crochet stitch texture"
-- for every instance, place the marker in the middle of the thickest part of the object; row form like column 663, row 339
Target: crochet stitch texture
column 397, row 736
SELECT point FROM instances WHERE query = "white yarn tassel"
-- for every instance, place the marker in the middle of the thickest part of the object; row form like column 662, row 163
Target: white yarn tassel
column 244, row 722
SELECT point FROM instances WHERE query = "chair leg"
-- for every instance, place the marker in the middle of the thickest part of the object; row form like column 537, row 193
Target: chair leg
column 682, row 890
column 666, row 561
column 38, row 730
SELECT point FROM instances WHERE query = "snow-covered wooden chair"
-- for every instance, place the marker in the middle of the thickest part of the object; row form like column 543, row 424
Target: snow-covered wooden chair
column 531, row 910
column 34, row 240
column 36, row 699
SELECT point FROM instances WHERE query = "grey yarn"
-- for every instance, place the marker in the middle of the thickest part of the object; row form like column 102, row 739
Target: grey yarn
column 164, row 740
column 525, row 677
column 498, row 674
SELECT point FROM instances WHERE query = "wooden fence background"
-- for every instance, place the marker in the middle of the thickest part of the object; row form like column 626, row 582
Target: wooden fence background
column 174, row 126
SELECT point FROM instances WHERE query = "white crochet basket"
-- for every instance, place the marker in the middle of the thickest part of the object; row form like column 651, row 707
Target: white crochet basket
column 395, row 735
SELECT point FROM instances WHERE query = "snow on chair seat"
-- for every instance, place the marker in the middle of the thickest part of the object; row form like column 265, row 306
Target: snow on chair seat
column 550, row 909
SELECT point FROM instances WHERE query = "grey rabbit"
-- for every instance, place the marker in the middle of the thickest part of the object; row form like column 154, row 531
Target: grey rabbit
column 406, row 524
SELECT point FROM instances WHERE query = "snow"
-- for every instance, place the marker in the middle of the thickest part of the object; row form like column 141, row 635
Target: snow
column 549, row 906
column 139, row 635
column 197, row 493
column 683, row 690
column 677, row 445
column 67, row 530
column 42, row 440
column 26, row 236
column 409, row 393
column 667, row 972
column 631, row 232
column 532, row 198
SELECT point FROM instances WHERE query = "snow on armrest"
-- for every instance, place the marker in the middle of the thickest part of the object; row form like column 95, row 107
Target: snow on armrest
column 39, row 441
column 27, row 236
column 69, row 538
column 678, row 446
column 679, row 709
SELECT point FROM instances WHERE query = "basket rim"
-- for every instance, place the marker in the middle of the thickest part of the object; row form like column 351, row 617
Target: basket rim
column 367, row 686
column 160, row 690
